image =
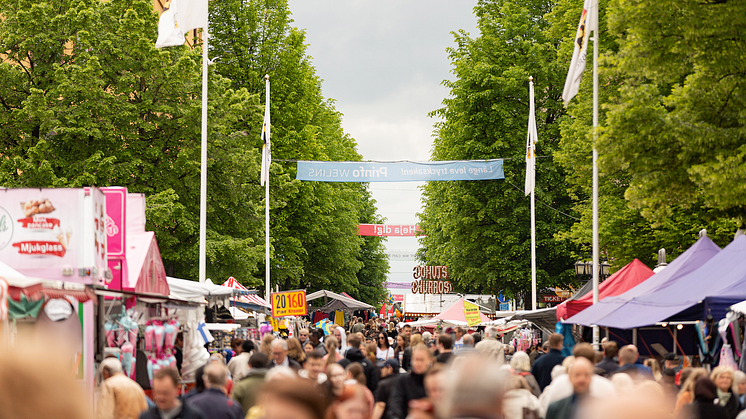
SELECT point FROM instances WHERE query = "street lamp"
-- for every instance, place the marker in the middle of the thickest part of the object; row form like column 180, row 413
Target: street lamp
column 584, row 270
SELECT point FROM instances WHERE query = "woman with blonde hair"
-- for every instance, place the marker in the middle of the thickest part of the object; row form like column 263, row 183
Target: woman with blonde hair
column 265, row 346
column 655, row 367
column 686, row 394
column 332, row 356
column 295, row 351
column 727, row 390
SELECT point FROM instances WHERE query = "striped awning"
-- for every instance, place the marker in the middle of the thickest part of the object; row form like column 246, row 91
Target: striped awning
column 249, row 298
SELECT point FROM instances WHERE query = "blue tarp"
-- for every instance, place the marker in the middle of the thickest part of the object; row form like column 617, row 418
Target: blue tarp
column 702, row 271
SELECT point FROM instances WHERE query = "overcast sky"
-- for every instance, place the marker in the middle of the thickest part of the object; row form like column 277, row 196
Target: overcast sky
column 383, row 62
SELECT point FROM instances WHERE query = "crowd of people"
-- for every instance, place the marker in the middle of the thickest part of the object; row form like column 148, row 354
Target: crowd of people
column 376, row 370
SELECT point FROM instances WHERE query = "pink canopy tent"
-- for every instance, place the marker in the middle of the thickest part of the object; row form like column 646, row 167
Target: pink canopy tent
column 454, row 316
column 249, row 298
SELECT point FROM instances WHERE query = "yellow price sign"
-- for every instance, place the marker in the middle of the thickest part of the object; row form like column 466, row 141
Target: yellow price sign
column 471, row 312
column 289, row 303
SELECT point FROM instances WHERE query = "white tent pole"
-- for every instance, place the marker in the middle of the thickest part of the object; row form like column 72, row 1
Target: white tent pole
column 266, row 211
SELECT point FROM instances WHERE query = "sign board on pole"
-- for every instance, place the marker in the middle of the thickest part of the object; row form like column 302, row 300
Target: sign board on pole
column 471, row 312
column 289, row 303
column 552, row 298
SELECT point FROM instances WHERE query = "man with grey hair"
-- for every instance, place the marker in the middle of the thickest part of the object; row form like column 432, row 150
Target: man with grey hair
column 280, row 356
column 121, row 398
column 213, row 401
column 490, row 347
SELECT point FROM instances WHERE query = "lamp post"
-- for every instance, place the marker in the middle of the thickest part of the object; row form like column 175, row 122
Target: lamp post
column 584, row 270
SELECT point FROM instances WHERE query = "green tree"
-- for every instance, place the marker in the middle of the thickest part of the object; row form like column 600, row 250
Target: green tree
column 481, row 230
column 314, row 228
column 635, row 146
column 86, row 99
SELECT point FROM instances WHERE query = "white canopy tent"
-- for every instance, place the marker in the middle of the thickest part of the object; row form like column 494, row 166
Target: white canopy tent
column 17, row 279
column 182, row 289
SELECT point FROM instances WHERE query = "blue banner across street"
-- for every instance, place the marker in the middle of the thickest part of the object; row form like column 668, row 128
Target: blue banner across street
column 336, row 171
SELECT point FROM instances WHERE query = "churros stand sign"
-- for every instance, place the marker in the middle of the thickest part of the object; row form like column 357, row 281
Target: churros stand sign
column 289, row 303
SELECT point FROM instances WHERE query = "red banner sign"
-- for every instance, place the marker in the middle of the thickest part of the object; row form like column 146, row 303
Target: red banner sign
column 552, row 298
column 40, row 248
column 388, row 230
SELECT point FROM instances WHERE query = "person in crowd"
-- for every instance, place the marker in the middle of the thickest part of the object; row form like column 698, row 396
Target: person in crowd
column 519, row 396
column 358, row 326
column 199, row 383
column 291, row 397
column 313, row 369
column 121, row 397
column 295, row 351
column 445, row 348
column 355, row 373
column 411, row 386
column 370, row 352
column 655, row 368
column 265, row 345
column 303, row 336
column 353, row 403
column 490, row 347
column 245, row 392
column 542, row 368
column 167, row 402
column 179, row 350
column 402, row 352
column 332, row 354
column 391, row 330
column 704, row 405
column 279, row 348
column 407, row 330
column 608, row 365
column 427, row 338
column 213, row 401
column 628, row 356
column 686, row 394
column 336, row 376
column 314, row 336
column 341, row 336
column 435, row 388
column 239, row 364
column 672, row 362
column 414, row 339
column 459, row 341
column 540, row 350
column 389, row 376
column 308, row 348
column 235, row 349
column 355, row 355
column 468, row 345
column 727, row 390
column 561, row 386
column 475, row 389
column 740, row 378
column 580, row 375
column 383, row 350
column 521, row 365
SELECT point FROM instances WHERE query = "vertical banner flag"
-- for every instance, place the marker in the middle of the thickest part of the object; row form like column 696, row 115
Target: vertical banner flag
column 531, row 139
column 266, row 152
column 179, row 17
column 588, row 23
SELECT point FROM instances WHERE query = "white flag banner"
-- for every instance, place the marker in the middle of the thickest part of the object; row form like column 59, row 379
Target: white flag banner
column 531, row 140
column 266, row 152
column 179, row 17
column 588, row 23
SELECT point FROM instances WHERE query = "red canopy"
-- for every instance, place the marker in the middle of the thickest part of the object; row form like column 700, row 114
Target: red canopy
column 629, row 276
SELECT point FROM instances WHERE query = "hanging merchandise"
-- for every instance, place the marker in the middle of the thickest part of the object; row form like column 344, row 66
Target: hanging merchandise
column 339, row 318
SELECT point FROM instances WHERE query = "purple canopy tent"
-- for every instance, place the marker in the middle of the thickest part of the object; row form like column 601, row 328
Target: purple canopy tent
column 604, row 313
column 720, row 281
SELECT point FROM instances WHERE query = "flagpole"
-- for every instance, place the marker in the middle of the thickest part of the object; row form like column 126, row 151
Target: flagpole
column 533, row 208
column 203, row 167
column 266, row 209
column 594, row 17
